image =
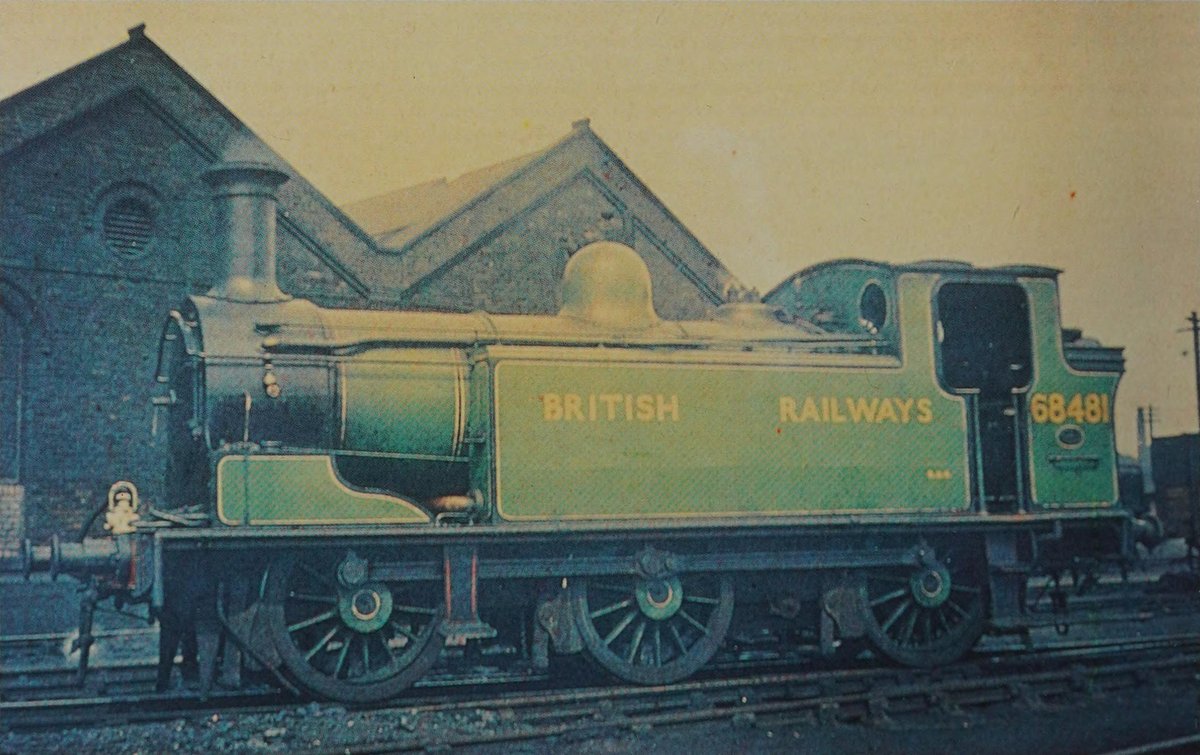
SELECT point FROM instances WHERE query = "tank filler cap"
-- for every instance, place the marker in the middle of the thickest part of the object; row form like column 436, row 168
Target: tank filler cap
column 608, row 284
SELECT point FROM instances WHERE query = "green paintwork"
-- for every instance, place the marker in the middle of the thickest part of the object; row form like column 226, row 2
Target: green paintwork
column 931, row 585
column 831, row 294
column 659, row 598
column 731, row 449
column 741, row 415
column 366, row 608
column 1084, row 476
column 300, row 490
column 404, row 401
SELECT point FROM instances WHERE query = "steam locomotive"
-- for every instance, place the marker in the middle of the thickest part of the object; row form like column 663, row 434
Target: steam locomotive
column 873, row 452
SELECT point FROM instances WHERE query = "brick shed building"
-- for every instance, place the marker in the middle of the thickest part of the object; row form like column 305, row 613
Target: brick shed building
column 105, row 224
column 498, row 238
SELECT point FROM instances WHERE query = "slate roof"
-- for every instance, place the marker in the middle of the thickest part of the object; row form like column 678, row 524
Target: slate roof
column 399, row 216
column 433, row 225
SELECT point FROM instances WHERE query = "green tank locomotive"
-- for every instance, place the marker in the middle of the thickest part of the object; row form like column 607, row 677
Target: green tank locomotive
column 873, row 451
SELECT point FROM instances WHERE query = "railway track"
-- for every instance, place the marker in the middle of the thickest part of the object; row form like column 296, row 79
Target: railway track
column 1173, row 746
column 32, row 652
column 529, row 711
column 45, row 665
column 38, row 692
column 59, row 683
column 863, row 696
column 128, row 675
column 49, row 702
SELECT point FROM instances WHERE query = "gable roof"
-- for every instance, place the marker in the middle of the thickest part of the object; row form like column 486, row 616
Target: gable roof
column 397, row 217
column 55, row 101
column 140, row 69
column 433, row 226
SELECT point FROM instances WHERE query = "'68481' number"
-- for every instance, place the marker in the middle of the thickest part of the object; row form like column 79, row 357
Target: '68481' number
column 1082, row 408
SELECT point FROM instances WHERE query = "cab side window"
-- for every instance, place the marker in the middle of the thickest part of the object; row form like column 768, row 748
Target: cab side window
column 983, row 333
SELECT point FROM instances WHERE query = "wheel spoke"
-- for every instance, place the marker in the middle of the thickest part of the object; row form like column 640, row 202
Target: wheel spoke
column 610, row 609
column 391, row 654
column 637, row 640
column 906, row 634
column 401, row 630
column 324, row 641
column 957, row 608
column 678, row 640
column 317, row 575
column 610, row 589
column 701, row 599
column 413, row 609
column 341, row 659
column 941, row 617
column 689, row 619
column 620, row 627
column 658, row 661
column 366, row 654
column 324, row 616
column 966, row 589
column 900, row 593
column 895, row 615
column 313, row 598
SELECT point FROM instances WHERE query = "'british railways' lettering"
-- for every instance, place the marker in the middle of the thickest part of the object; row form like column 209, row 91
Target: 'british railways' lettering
column 610, row 407
column 838, row 410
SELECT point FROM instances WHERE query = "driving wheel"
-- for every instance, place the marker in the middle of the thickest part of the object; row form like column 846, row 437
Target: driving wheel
column 348, row 637
column 653, row 630
column 930, row 616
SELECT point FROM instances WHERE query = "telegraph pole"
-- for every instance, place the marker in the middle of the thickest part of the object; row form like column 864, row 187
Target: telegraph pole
column 1195, row 323
column 1194, row 540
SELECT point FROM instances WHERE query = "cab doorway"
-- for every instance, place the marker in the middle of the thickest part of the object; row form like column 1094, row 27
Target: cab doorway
column 985, row 355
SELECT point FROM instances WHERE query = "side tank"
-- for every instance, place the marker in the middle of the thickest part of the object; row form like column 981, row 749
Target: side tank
column 386, row 394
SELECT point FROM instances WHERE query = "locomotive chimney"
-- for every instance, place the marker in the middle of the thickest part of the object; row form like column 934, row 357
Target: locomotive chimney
column 244, row 186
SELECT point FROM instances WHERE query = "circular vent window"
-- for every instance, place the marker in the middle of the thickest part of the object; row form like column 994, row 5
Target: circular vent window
column 128, row 227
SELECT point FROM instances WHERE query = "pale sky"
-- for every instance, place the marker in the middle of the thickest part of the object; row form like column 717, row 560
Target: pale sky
column 780, row 134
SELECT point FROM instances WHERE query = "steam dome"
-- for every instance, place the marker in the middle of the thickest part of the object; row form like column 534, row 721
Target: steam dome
column 609, row 284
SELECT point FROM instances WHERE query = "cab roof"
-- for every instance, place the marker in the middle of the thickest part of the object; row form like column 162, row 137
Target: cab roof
column 957, row 268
